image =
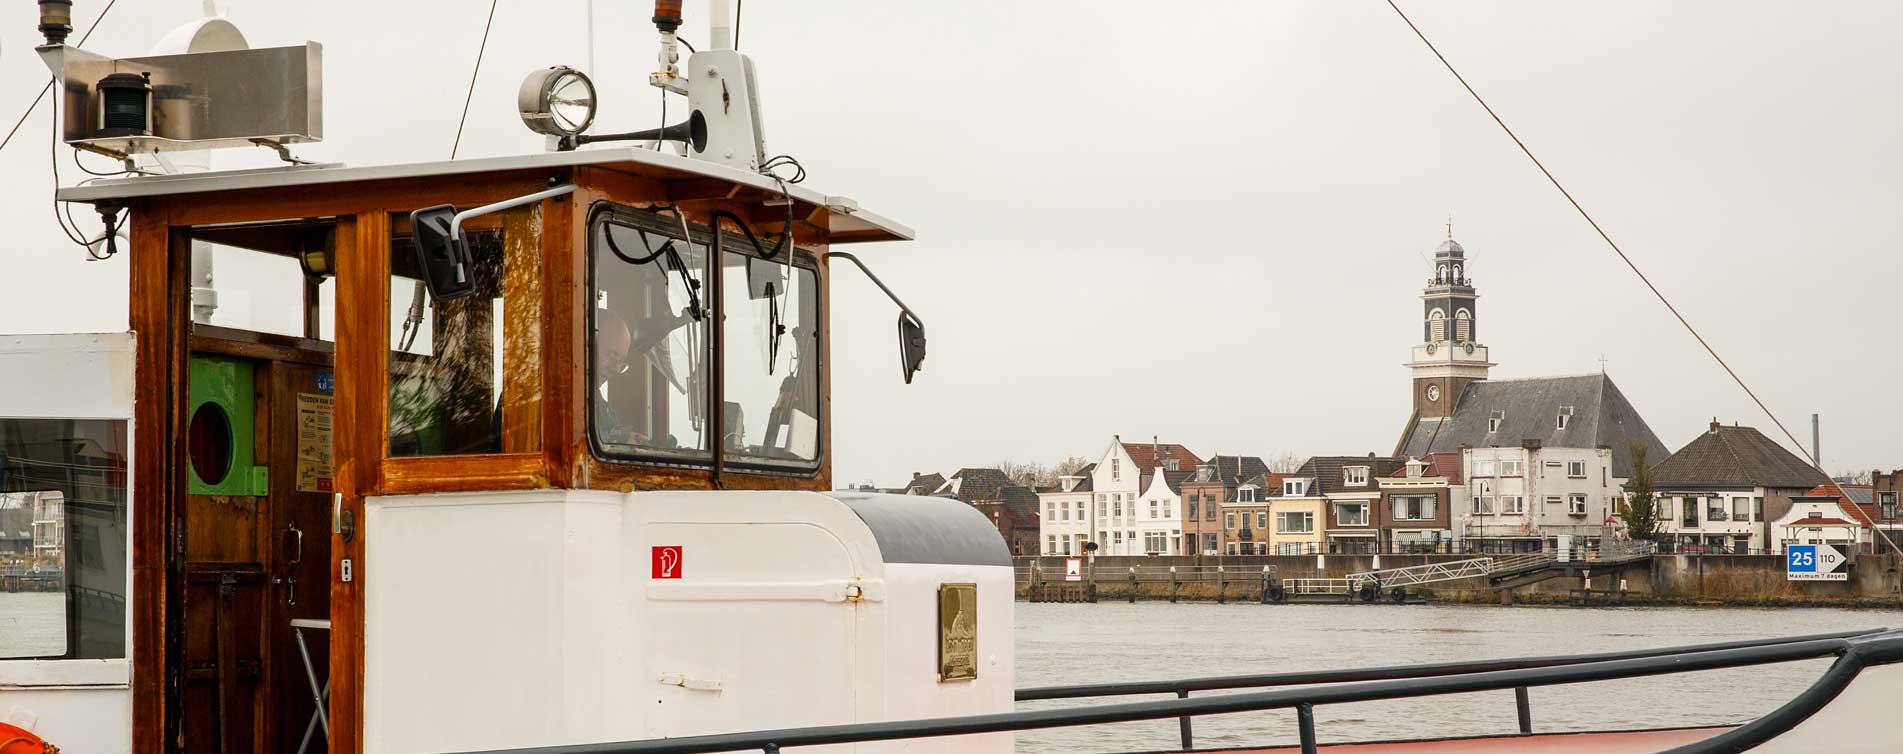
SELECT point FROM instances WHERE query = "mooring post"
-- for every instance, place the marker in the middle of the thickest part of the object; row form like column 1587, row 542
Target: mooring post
column 1133, row 585
column 1173, row 583
column 1221, row 596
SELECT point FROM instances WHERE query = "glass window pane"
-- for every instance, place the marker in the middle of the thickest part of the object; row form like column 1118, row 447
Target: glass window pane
column 649, row 348
column 62, row 538
column 772, row 362
column 465, row 374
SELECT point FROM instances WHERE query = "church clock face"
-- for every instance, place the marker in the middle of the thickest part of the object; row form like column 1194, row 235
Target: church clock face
column 1433, row 393
column 1469, row 346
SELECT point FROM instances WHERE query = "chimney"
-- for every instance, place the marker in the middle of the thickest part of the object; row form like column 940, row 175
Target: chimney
column 1714, row 424
column 1816, row 442
column 1530, row 443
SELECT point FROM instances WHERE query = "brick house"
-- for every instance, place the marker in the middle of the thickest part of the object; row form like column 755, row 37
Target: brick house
column 1415, row 510
column 1214, row 482
column 1349, row 490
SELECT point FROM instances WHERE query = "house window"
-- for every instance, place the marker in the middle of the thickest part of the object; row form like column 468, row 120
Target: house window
column 1347, row 514
column 1192, row 507
column 1050, row 545
column 1116, row 469
column 1483, row 505
column 1153, row 508
column 1169, row 509
column 1050, row 511
column 1512, row 468
column 1576, row 469
column 1229, row 520
column 1209, row 543
column 1155, row 541
column 1715, row 509
column 1246, row 495
column 1565, row 415
column 1664, row 506
column 1413, row 508
column 1116, row 508
column 1494, row 418
column 1511, row 504
column 1209, row 508
column 1295, row 522
column 1483, row 468
column 1355, row 476
column 1690, row 518
column 1886, row 505
column 1576, row 505
column 1262, row 519
column 1741, row 509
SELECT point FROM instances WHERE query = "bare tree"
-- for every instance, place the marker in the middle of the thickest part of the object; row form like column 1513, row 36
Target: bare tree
column 1852, row 477
column 1069, row 466
column 1284, row 463
column 1024, row 473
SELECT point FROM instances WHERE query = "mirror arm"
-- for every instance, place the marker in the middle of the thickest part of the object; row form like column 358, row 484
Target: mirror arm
column 456, row 223
column 876, row 281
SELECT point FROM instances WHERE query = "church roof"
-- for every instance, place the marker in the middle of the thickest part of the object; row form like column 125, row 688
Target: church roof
column 1449, row 247
column 1735, row 456
column 1528, row 409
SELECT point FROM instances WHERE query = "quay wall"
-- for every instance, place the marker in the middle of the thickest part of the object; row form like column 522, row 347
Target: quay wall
column 1665, row 579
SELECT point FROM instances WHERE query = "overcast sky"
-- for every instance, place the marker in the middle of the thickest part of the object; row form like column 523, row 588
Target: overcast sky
column 1208, row 222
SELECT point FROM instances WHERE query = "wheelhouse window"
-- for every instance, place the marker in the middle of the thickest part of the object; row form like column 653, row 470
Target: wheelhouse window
column 771, row 315
column 649, row 352
column 465, row 373
column 63, row 533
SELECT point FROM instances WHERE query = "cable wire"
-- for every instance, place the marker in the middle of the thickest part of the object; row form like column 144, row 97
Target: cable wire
column 1814, row 461
column 739, row 8
column 49, row 83
column 473, row 72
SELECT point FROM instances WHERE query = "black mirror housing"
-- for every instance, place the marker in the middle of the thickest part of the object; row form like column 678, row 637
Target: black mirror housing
column 911, row 345
column 444, row 262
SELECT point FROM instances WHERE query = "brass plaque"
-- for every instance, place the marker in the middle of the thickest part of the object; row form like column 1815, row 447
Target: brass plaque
column 957, row 632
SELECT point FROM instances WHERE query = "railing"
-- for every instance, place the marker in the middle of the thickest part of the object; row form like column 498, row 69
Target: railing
column 1854, row 651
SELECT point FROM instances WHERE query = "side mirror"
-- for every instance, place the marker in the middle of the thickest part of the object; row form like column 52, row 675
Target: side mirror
column 443, row 261
column 911, row 345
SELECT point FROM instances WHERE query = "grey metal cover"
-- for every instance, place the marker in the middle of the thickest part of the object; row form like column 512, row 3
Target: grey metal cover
column 917, row 529
column 204, row 100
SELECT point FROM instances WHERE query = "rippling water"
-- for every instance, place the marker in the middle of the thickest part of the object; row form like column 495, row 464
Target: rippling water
column 1080, row 643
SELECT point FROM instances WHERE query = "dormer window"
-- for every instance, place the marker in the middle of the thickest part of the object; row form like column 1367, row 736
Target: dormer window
column 1169, row 464
column 1245, row 495
column 1565, row 415
column 1416, row 468
column 1494, row 418
column 1294, row 487
column 1355, row 476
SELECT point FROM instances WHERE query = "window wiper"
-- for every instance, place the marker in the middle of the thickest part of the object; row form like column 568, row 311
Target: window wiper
column 671, row 260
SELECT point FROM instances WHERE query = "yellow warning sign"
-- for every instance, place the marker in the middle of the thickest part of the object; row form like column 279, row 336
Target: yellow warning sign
column 313, row 443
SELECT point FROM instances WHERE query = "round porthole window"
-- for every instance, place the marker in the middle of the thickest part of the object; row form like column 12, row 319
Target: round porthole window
column 1433, row 392
column 209, row 438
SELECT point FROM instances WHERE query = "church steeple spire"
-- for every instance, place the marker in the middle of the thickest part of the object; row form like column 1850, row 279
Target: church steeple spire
column 1449, row 356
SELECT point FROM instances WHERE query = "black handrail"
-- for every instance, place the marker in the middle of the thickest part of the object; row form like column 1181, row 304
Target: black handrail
column 1856, row 651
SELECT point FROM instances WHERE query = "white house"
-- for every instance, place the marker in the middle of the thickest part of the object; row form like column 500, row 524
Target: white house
column 1718, row 492
column 1822, row 517
column 1065, row 523
column 1524, row 498
column 1135, row 491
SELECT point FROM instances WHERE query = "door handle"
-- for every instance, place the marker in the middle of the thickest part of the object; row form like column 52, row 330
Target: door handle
column 294, row 538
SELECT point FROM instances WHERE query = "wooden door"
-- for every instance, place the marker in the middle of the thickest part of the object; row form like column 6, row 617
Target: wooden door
column 255, row 556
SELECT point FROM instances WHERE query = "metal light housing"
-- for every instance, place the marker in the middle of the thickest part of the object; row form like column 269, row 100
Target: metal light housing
column 558, row 101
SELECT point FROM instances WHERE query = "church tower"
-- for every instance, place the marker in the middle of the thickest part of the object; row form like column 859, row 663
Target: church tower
column 1450, row 356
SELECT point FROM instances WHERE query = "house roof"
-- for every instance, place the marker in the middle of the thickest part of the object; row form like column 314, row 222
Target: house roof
column 1529, row 409
column 1822, row 522
column 923, row 484
column 1083, row 485
column 1438, row 464
column 1021, row 501
column 1270, row 482
column 1148, row 456
column 1228, row 470
column 977, row 485
column 1735, row 457
column 1328, row 476
column 1858, row 509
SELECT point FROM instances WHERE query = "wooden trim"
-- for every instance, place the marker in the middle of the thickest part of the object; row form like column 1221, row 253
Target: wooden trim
column 564, row 237
column 158, row 315
column 344, row 199
column 512, row 471
column 363, row 329
column 522, row 358
column 259, row 345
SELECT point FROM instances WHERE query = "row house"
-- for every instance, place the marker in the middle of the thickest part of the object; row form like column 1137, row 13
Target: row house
column 1885, row 489
column 1350, row 490
column 1216, row 482
column 1066, row 523
column 1245, row 525
column 1415, row 512
column 1133, row 504
column 1719, row 491
column 1528, row 498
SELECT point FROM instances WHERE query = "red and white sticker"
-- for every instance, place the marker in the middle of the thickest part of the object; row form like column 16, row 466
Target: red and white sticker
column 667, row 561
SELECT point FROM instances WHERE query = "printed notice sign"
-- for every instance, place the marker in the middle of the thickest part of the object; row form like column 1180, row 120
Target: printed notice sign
column 313, row 443
column 1813, row 563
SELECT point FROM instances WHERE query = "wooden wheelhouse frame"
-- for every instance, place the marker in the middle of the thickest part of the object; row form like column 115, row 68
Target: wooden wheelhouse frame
column 162, row 212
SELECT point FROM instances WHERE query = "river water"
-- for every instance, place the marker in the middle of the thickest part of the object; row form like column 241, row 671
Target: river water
column 1061, row 644
column 32, row 624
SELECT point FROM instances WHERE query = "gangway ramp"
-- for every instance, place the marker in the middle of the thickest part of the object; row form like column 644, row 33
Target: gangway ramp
column 1508, row 570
